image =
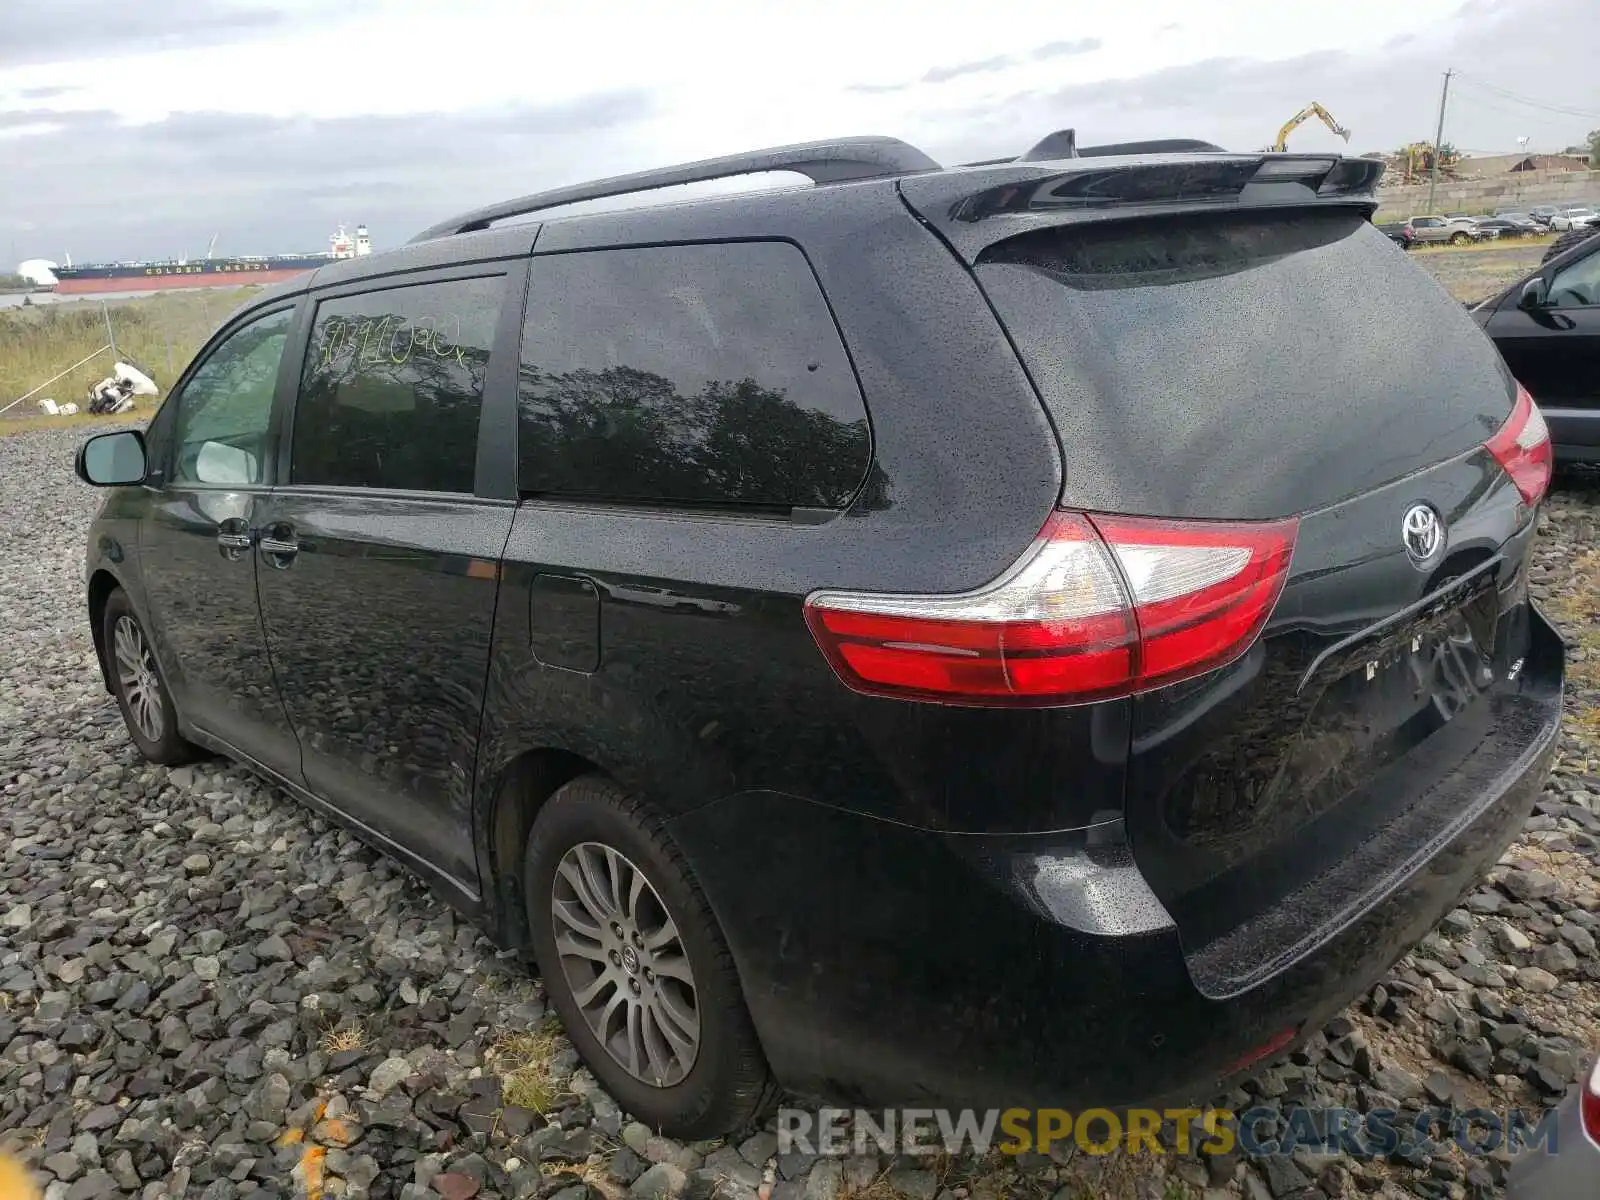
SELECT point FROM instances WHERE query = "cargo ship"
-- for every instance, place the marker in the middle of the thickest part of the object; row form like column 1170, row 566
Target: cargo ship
column 205, row 272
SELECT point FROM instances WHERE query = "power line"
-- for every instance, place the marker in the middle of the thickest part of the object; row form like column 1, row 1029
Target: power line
column 1490, row 104
column 1563, row 109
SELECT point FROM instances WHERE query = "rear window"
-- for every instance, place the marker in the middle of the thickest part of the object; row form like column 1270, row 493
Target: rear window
column 700, row 374
column 1241, row 365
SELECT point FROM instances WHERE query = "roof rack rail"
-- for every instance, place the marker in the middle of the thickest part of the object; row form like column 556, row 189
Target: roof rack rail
column 823, row 162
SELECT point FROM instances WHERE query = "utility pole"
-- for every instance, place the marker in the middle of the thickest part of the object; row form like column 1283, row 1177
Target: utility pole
column 1438, row 140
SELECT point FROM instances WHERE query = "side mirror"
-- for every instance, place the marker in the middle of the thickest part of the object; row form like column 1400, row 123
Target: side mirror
column 1534, row 294
column 112, row 459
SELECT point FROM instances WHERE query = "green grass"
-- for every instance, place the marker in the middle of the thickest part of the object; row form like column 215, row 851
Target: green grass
column 522, row 1060
column 1479, row 208
column 160, row 333
column 1540, row 239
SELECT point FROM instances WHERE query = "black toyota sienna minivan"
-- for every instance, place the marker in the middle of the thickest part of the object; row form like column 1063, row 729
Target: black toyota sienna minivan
column 1048, row 631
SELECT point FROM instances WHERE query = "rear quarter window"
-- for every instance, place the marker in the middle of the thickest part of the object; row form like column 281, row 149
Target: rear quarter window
column 708, row 374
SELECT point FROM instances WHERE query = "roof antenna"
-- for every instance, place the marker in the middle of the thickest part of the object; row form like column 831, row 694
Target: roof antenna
column 1063, row 143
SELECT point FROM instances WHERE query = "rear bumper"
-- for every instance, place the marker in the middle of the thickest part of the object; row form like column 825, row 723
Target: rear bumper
column 1574, row 433
column 887, row 965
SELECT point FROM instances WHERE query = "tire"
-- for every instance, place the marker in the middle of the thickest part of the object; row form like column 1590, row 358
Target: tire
column 1459, row 239
column 724, row 1084
column 139, row 686
column 1566, row 241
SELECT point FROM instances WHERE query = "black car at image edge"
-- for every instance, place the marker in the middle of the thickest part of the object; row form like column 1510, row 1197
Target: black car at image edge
column 1547, row 328
column 1048, row 631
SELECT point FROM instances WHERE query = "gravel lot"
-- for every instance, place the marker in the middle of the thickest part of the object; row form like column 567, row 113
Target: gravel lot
column 206, row 990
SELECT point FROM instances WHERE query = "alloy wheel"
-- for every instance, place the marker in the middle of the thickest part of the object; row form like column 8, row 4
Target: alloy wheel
column 625, row 963
column 136, row 674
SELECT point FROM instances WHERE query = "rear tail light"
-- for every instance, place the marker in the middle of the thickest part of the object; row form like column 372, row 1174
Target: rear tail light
column 1522, row 448
column 1591, row 1104
column 1098, row 606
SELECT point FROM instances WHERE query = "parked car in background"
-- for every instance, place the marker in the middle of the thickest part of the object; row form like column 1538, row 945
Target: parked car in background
column 1570, row 1171
column 1440, row 229
column 1577, row 217
column 1547, row 328
column 655, row 583
column 1398, row 232
column 1504, row 227
column 1543, row 213
column 1518, row 217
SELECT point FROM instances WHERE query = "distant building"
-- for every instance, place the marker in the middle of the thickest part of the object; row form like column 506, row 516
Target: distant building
column 40, row 271
column 1507, row 164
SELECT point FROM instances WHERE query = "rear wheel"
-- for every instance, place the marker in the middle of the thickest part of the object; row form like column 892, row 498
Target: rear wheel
column 137, row 683
column 636, row 965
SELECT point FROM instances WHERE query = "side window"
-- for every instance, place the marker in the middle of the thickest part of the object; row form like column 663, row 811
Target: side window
column 225, row 409
column 691, row 374
column 1577, row 285
column 392, row 387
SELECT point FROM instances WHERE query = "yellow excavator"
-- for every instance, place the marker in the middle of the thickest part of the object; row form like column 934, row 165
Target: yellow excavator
column 1305, row 114
column 1416, row 161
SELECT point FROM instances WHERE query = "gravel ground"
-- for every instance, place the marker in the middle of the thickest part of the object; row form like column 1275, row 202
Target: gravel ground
column 206, row 990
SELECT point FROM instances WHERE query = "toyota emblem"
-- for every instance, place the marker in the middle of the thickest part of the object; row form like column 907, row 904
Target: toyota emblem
column 1423, row 534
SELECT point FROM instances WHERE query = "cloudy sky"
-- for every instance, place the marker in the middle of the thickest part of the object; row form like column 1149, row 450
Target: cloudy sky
column 132, row 129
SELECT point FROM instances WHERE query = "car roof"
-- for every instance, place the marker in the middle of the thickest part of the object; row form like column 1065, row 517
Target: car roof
column 835, row 168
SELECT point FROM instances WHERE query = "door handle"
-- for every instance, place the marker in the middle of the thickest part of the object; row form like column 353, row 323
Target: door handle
column 234, row 538
column 279, row 545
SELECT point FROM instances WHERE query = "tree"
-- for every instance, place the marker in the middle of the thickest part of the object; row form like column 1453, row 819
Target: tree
column 1594, row 149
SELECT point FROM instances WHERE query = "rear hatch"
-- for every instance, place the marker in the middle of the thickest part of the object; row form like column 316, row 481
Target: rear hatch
column 1215, row 358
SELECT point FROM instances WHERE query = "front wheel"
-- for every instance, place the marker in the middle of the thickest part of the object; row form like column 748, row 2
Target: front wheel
column 1459, row 239
column 636, row 964
column 137, row 683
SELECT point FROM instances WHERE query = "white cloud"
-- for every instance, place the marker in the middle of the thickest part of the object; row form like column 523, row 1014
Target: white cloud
column 410, row 108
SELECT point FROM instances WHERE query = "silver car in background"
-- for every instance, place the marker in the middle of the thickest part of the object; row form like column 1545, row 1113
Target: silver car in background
column 1577, row 217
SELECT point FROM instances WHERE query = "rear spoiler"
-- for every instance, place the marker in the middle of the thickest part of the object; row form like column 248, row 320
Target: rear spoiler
column 975, row 208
